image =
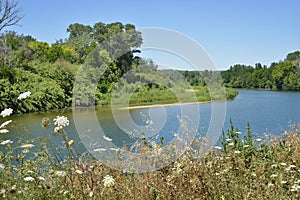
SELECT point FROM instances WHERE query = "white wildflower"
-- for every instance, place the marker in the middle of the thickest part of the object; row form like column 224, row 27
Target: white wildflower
column 283, row 164
column 71, row 142
column 4, row 131
column 295, row 187
column 25, row 146
column 228, row 139
column 79, row 171
column 99, row 150
column 24, row 95
column 230, row 144
column 108, row 181
column 2, row 167
column 274, row 165
column 246, row 145
column 273, row 175
column 114, row 149
column 238, row 132
column 60, row 173
column 258, row 140
column 6, row 112
column 5, row 142
column 29, row 179
column 41, row 178
column 292, row 166
column 217, row 174
column 5, row 123
column 270, row 185
column 149, row 122
column 253, row 174
column 56, row 129
column 217, row 147
column 237, row 152
column 107, row 138
column 283, row 182
column 61, row 121
column 25, row 151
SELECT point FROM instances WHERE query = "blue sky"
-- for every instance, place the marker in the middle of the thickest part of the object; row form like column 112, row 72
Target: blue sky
column 231, row 31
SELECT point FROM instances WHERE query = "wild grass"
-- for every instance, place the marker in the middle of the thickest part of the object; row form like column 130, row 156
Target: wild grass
column 243, row 167
column 165, row 95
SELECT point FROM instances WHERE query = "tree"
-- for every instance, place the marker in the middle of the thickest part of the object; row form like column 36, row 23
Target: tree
column 293, row 56
column 258, row 66
column 281, row 75
column 10, row 13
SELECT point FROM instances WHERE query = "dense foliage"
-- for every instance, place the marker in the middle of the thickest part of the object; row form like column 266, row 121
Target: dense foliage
column 284, row 75
column 49, row 71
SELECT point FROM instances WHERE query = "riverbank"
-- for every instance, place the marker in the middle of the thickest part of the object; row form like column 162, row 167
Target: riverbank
column 197, row 95
column 165, row 105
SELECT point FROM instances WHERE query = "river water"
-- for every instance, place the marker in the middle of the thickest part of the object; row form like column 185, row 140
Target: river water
column 266, row 111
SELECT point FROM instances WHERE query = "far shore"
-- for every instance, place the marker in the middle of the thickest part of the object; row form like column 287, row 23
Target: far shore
column 165, row 105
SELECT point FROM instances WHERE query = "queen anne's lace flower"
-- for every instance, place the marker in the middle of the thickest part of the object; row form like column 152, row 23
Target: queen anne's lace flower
column 217, row 147
column 61, row 121
column 108, row 181
column 5, row 123
column 5, row 142
column 41, row 178
column 24, row 95
column 6, row 112
column 60, row 173
column 27, row 146
column 29, row 179
column 4, row 131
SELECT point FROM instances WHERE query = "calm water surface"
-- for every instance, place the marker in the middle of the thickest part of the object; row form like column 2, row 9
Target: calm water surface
column 267, row 112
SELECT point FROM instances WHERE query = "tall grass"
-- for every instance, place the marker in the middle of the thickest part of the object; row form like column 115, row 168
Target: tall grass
column 243, row 167
column 165, row 96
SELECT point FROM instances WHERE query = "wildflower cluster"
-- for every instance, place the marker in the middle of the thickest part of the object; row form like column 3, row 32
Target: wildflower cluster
column 24, row 95
column 60, row 122
column 108, row 181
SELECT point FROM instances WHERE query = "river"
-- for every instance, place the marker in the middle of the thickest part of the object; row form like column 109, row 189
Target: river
column 266, row 111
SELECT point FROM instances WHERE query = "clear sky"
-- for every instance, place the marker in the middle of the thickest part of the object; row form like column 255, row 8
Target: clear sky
column 231, row 31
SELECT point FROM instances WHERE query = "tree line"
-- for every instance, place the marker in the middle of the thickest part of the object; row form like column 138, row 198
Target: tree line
column 282, row 75
column 49, row 71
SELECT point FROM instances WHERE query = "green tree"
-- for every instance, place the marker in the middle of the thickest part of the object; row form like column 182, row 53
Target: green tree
column 281, row 74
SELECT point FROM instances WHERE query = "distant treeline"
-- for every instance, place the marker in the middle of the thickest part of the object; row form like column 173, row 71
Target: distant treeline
column 282, row 75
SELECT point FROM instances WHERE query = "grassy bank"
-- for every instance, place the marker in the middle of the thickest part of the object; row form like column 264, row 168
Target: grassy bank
column 244, row 167
column 166, row 96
